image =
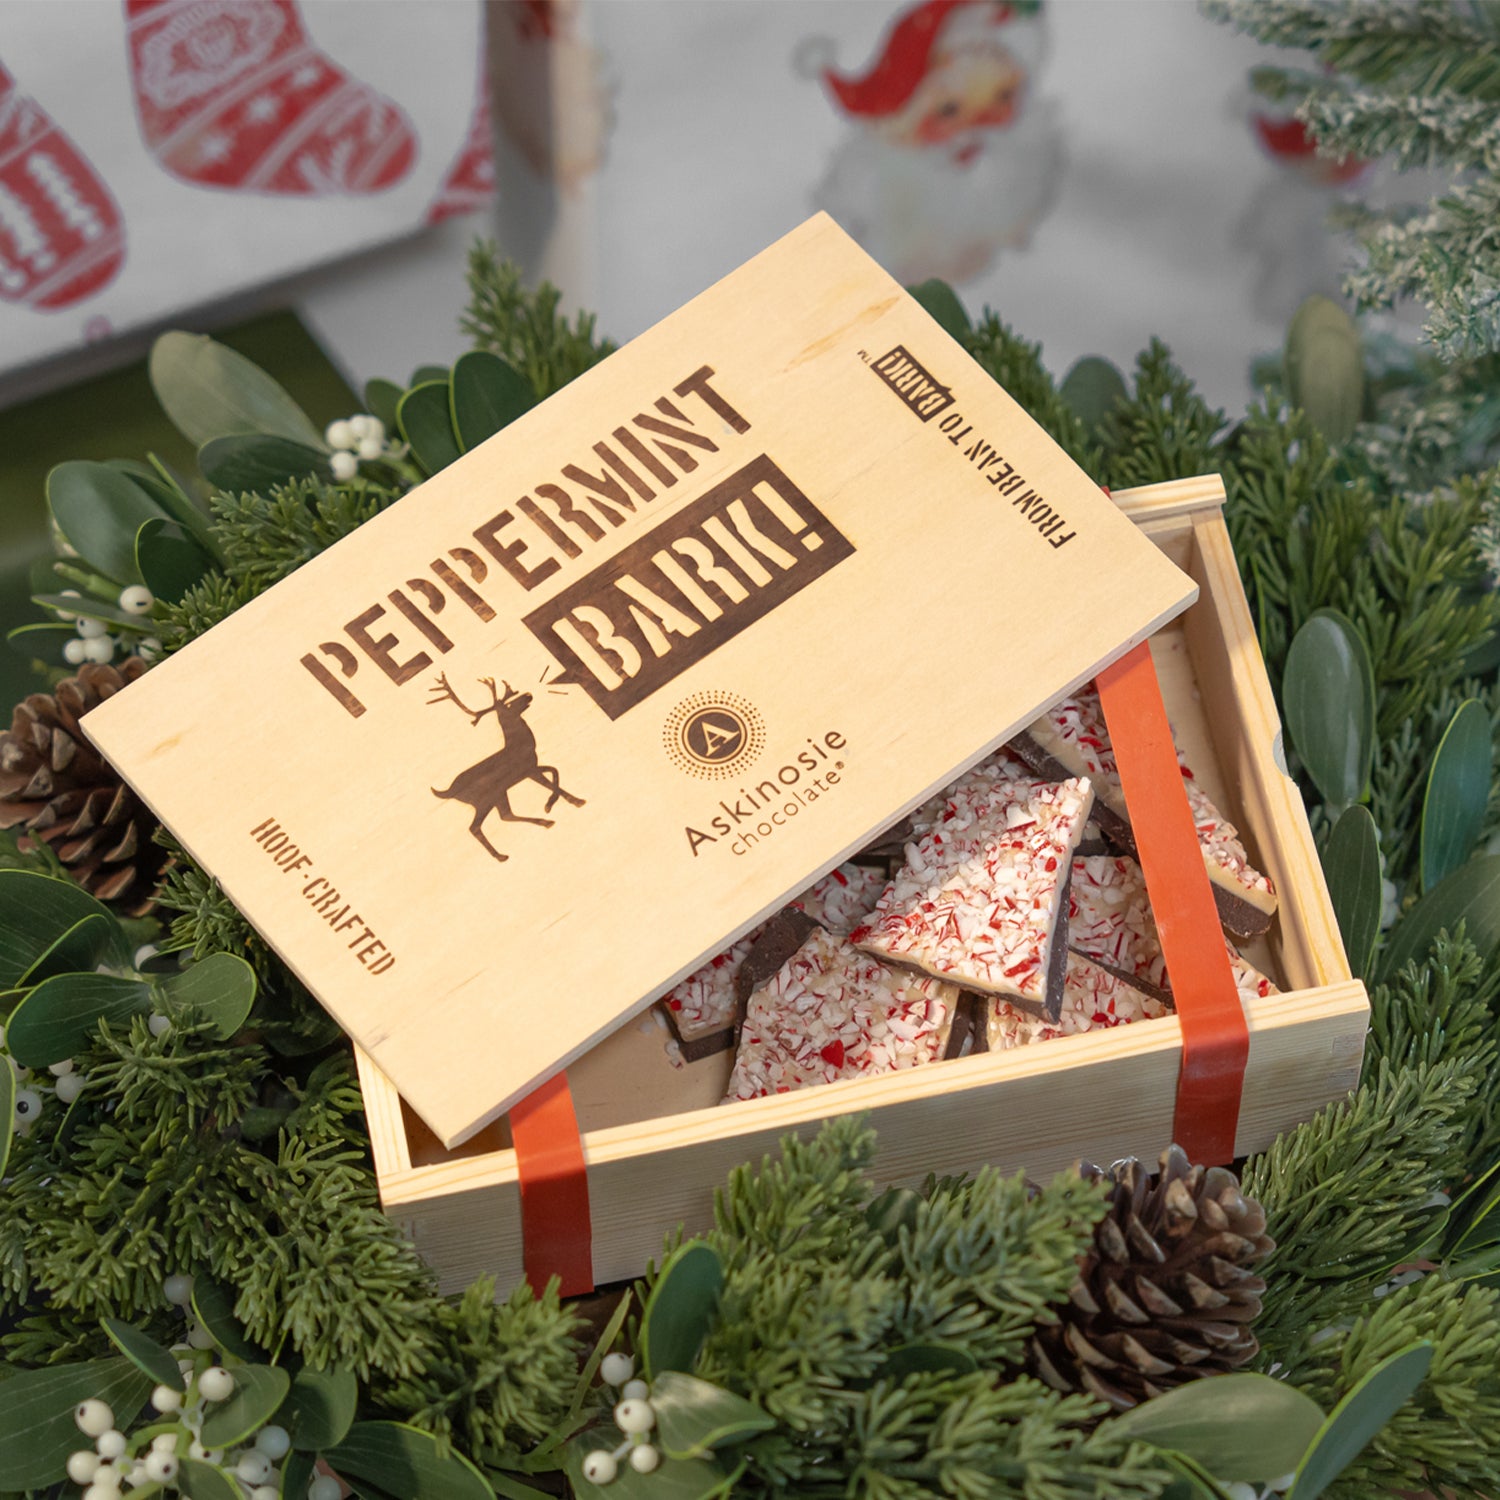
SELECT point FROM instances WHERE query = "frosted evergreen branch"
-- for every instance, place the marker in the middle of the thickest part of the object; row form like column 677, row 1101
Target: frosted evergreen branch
column 1417, row 130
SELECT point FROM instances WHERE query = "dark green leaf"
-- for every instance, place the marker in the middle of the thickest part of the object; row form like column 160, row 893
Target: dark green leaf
column 694, row 1417
column 1471, row 895
column 93, row 609
column 219, row 988
column 407, row 1462
column 59, row 1016
column 1458, row 788
column 43, row 641
column 1325, row 368
column 256, row 462
column 1194, row 1482
column 486, row 394
column 200, row 1481
column 99, row 511
column 210, row 391
column 213, row 1305
column 92, row 940
column 426, row 374
column 673, row 1479
column 1351, row 865
column 1092, row 388
column 166, row 490
column 7, row 1110
column 928, row 1359
column 508, row 1487
column 1239, row 1427
column 1474, row 1219
column 297, row 1470
column 381, row 400
column 1358, row 1417
column 941, row 302
column 145, row 1354
column 37, row 1430
column 258, row 1391
column 320, row 1408
column 170, row 559
column 1328, row 691
column 427, row 425
column 677, row 1314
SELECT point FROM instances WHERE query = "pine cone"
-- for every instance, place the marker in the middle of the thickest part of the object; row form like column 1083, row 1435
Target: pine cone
column 1164, row 1296
column 61, row 791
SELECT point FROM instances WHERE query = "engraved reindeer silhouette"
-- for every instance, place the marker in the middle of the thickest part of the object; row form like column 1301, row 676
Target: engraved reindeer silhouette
column 487, row 785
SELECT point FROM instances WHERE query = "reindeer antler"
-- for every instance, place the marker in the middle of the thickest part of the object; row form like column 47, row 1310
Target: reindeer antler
column 445, row 694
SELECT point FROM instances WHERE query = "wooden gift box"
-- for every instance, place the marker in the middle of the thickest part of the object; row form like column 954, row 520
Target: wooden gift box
column 1099, row 1095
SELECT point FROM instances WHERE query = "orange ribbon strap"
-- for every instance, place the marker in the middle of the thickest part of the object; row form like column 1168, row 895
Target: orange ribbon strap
column 1215, row 1039
column 556, row 1232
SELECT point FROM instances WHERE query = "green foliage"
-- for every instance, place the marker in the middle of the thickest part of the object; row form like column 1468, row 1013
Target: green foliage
column 525, row 327
column 1162, row 429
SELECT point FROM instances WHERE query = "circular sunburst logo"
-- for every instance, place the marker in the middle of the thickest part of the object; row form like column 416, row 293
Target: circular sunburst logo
column 713, row 734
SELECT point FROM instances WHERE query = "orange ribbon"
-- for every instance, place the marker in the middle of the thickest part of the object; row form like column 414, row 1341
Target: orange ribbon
column 556, row 1232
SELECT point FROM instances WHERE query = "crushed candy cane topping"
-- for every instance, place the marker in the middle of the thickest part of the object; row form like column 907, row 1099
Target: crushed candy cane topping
column 832, row 1012
column 977, row 900
column 843, row 898
column 1093, row 999
column 704, row 1002
column 1224, row 853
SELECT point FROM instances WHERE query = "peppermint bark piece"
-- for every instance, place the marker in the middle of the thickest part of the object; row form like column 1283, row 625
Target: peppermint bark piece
column 1110, row 922
column 702, row 1010
column 831, row 1012
column 982, row 899
column 1093, row 999
column 1071, row 739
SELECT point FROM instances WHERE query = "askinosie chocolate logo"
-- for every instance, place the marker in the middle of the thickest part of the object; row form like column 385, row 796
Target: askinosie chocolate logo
column 648, row 611
column 911, row 381
column 745, row 818
column 713, row 735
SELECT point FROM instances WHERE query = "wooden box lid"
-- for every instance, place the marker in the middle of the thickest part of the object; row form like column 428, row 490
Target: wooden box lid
column 749, row 590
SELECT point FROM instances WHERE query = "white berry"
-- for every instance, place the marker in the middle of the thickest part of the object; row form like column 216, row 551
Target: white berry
column 101, row 649
column 28, row 1106
column 148, row 648
column 160, row 1025
column 617, row 1368
column 91, row 630
column 1239, row 1490
column 164, row 1442
column 137, row 599
column 635, row 1416
column 200, row 1338
column 274, row 1442
column 635, row 1390
column 253, row 1467
column 82, row 1466
column 103, row 1489
column 94, row 1418
column 324, row 1487
column 600, row 1467
column 57, row 1070
column 215, row 1383
column 340, row 434
column 70, row 1086
column 178, row 1289
column 165, row 1399
column 111, row 1444
column 265, row 1492
column 344, row 465
column 161, row 1466
column 75, row 652
column 644, row 1458
column 366, row 425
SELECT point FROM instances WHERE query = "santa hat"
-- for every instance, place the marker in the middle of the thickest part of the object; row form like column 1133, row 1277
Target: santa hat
column 906, row 55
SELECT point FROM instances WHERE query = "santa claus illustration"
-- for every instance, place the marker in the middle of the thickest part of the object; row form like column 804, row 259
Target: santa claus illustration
column 952, row 159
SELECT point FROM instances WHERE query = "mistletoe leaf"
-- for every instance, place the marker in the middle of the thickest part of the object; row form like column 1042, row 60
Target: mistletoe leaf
column 258, row 1392
column 407, row 1462
column 37, row 1430
column 1458, row 788
column 99, row 510
column 1471, row 895
column 1093, row 387
column 200, row 1481
column 1351, row 865
column 1325, row 368
column 676, row 1316
column 672, row 1479
column 163, row 487
column 1358, row 1417
column 487, row 393
column 320, row 1408
column 257, row 462
column 144, row 1353
column 92, row 940
column 297, row 1471
column 170, row 559
column 36, row 910
column 427, row 425
column 426, row 374
column 213, row 1305
column 219, row 988
column 59, row 1016
column 694, row 1417
column 1239, row 1427
column 929, row 1358
column 7, row 1110
column 1328, row 691
column 209, row 391
column 94, row 609
column 382, row 397
column 942, row 302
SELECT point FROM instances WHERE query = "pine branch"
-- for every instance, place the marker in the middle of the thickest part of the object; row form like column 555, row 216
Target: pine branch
column 1163, row 430
column 525, row 327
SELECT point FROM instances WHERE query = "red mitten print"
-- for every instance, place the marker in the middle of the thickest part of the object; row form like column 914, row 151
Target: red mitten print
column 231, row 94
column 470, row 182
